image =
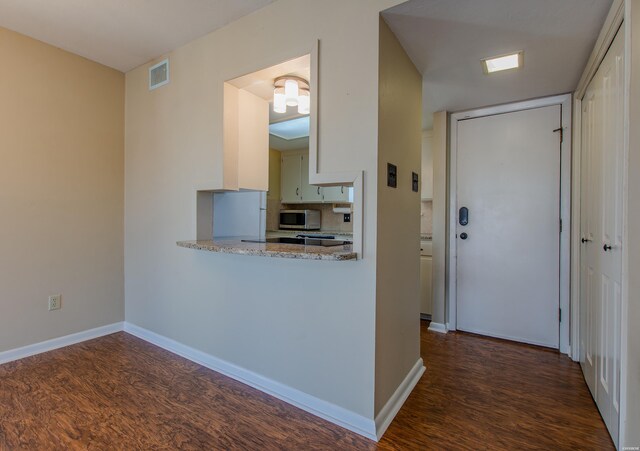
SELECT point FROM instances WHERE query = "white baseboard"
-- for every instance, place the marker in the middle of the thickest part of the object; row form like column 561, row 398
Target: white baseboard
column 393, row 405
column 60, row 342
column 335, row 414
column 438, row 327
column 318, row 407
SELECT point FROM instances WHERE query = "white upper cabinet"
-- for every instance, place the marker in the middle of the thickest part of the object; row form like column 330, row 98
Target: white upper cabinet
column 245, row 138
column 295, row 187
column 310, row 193
column 290, row 169
column 337, row 193
column 427, row 165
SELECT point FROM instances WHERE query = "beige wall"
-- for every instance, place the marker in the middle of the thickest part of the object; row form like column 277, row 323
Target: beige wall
column 632, row 318
column 274, row 175
column 398, row 245
column 257, row 313
column 61, row 192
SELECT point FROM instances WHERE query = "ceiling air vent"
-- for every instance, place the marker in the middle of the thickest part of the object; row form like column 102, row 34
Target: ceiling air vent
column 159, row 74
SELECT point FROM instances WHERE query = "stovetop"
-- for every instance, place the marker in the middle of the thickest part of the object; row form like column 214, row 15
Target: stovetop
column 325, row 240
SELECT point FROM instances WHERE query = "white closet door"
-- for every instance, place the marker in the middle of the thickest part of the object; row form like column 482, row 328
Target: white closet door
column 589, row 254
column 602, row 233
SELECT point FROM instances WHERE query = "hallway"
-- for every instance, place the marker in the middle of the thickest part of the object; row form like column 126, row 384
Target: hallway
column 484, row 393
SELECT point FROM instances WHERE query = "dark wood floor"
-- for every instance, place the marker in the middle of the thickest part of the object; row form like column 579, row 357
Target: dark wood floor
column 118, row 392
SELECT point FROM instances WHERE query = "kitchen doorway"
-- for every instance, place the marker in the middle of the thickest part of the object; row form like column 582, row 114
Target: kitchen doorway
column 509, row 221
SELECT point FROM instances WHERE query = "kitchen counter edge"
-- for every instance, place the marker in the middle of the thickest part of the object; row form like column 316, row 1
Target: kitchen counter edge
column 236, row 246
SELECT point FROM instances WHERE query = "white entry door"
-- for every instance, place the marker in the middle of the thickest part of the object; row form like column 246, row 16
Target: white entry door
column 602, row 233
column 508, row 253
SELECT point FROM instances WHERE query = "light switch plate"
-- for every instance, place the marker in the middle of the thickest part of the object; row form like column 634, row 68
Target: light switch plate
column 392, row 175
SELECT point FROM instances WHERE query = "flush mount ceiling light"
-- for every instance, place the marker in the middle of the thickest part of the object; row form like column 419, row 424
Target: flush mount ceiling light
column 291, row 91
column 503, row 62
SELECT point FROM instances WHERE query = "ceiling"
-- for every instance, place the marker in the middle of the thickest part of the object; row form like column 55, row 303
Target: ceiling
column 446, row 39
column 121, row 34
column 260, row 83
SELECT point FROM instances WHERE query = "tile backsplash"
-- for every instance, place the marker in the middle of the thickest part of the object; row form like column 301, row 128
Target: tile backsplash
column 334, row 222
column 331, row 221
column 426, row 216
column 273, row 214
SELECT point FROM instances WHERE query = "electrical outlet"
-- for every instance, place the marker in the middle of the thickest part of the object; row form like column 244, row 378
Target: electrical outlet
column 347, row 217
column 55, row 302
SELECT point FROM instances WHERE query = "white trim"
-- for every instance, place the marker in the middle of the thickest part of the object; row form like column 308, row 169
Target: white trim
column 60, row 342
column 565, row 101
column 566, row 234
column 438, row 327
column 394, row 404
column 624, row 308
column 605, row 38
column 575, row 230
column 318, row 407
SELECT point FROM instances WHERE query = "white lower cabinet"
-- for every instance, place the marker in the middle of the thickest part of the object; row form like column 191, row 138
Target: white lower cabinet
column 426, row 307
column 426, row 264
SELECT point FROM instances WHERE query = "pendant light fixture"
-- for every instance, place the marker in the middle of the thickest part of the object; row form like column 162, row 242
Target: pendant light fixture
column 291, row 91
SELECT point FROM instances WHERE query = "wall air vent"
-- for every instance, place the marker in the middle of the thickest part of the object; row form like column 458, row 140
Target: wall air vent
column 159, row 74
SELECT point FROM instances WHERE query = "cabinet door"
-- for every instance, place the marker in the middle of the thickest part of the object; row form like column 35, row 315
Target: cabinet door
column 425, row 286
column 336, row 193
column 291, row 182
column 310, row 193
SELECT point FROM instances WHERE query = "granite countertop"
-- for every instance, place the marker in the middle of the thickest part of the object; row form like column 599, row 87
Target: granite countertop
column 236, row 246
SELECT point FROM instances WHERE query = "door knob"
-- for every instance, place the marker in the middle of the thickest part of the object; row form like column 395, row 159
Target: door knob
column 463, row 236
column 585, row 240
column 606, row 247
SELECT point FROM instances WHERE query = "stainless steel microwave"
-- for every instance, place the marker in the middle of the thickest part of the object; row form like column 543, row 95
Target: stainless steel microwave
column 300, row 219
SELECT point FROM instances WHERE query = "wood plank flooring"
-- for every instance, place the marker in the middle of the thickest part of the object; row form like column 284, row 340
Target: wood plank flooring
column 119, row 392
column 485, row 393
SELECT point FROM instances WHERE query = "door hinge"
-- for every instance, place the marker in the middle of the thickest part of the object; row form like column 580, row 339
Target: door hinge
column 561, row 130
column 560, row 315
column 560, row 225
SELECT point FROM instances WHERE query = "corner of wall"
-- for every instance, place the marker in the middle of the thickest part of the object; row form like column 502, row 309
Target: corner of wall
column 398, row 220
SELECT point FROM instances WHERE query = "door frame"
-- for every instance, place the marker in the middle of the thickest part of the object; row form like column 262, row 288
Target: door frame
column 565, row 102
